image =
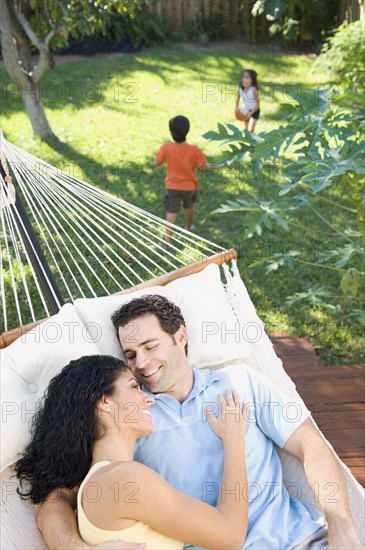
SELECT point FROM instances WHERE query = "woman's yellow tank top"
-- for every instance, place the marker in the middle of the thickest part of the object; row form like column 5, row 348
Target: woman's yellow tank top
column 140, row 532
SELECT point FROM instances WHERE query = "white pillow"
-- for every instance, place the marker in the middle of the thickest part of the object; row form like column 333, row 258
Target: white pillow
column 28, row 365
column 213, row 332
column 18, row 518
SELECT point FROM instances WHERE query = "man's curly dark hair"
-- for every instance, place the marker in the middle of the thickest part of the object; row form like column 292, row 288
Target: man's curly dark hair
column 65, row 427
column 168, row 313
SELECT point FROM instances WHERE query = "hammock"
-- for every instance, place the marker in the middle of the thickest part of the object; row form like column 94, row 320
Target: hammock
column 92, row 243
column 27, row 368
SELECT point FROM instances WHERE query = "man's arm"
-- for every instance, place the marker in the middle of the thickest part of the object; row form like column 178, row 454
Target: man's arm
column 57, row 522
column 324, row 474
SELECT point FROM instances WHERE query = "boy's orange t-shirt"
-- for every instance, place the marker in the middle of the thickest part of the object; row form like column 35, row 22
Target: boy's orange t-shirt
column 182, row 159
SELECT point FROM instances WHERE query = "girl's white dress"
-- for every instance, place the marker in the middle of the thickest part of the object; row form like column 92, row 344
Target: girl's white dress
column 248, row 99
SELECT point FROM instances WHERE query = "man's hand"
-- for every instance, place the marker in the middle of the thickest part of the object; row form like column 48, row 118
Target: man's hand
column 120, row 545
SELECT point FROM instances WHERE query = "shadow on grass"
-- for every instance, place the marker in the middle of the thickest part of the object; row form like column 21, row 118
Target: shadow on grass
column 115, row 82
column 103, row 176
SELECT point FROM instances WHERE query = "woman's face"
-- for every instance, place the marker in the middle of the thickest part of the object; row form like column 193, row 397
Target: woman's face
column 130, row 406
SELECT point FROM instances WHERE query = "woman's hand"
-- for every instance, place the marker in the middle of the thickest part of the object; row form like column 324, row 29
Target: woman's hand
column 230, row 425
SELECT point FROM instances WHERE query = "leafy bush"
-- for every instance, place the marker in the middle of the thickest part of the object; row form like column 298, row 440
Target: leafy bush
column 297, row 21
column 116, row 23
column 344, row 54
column 204, row 29
column 319, row 160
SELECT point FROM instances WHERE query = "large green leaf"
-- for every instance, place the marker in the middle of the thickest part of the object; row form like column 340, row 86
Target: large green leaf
column 351, row 281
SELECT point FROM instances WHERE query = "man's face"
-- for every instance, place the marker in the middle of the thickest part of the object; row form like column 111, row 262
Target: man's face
column 156, row 358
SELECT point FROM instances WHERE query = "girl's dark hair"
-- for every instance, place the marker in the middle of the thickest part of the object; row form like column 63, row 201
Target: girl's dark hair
column 179, row 128
column 253, row 75
column 65, row 427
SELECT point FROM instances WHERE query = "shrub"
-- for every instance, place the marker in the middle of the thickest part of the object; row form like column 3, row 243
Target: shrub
column 204, row 29
column 344, row 54
column 319, row 160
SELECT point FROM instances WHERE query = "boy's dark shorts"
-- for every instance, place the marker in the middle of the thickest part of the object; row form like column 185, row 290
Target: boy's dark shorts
column 173, row 199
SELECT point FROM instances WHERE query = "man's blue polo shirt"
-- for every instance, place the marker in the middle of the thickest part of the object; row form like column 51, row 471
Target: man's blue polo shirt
column 185, row 451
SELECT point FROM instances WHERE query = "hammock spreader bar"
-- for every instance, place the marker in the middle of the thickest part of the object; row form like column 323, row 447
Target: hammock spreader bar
column 37, row 258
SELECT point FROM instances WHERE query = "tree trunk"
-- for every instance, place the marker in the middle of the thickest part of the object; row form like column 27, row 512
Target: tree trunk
column 17, row 59
column 362, row 13
column 35, row 110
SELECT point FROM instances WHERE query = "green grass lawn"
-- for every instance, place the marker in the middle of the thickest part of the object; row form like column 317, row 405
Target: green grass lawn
column 111, row 115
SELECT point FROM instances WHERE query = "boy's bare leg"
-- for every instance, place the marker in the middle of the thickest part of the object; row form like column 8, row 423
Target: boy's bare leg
column 171, row 218
column 57, row 523
column 189, row 215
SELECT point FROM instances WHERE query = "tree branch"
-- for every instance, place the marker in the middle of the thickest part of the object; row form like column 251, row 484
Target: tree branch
column 43, row 46
column 46, row 10
column 42, row 65
column 36, row 41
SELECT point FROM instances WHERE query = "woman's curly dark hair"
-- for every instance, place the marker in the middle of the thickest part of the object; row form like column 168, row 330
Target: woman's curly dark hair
column 65, row 427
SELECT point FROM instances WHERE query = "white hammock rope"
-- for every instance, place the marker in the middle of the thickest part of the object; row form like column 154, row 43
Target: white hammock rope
column 94, row 243
column 134, row 220
column 71, row 188
column 88, row 228
column 11, row 224
column 11, row 271
column 63, row 200
column 40, row 222
column 50, row 212
column 14, row 221
column 98, row 194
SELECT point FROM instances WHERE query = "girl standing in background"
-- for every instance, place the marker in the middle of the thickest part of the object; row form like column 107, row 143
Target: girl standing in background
column 248, row 96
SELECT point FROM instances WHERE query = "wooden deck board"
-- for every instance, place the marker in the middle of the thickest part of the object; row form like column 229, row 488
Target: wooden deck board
column 334, row 395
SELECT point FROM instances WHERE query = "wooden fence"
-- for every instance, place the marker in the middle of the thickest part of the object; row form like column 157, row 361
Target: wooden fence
column 179, row 13
column 236, row 13
column 349, row 11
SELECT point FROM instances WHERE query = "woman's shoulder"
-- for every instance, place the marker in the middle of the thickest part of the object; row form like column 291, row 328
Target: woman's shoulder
column 126, row 477
column 117, row 470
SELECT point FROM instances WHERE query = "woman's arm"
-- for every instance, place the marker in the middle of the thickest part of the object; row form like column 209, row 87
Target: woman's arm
column 175, row 514
column 238, row 100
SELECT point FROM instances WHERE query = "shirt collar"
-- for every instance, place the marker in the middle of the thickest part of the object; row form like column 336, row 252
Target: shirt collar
column 202, row 379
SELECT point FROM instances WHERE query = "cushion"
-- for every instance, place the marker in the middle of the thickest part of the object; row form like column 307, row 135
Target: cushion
column 28, row 365
column 18, row 518
column 213, row 329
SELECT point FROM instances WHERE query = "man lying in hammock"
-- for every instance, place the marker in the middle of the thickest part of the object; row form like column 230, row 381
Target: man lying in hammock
column 184, row 450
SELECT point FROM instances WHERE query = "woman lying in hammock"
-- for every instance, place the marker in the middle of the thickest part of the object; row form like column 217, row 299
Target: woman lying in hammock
column 84, row 435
